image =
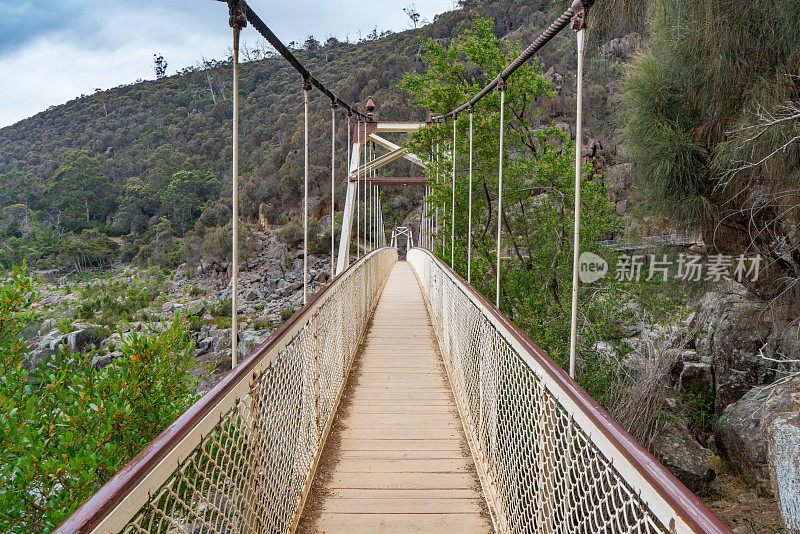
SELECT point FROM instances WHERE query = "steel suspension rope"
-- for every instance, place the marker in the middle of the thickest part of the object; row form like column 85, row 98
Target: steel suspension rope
column 251, row 16
column 469, row 209
column 237, row 22
column 575, row 13
column 502, row 89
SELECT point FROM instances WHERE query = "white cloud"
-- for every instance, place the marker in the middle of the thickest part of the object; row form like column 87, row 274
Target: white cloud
column 115, row 45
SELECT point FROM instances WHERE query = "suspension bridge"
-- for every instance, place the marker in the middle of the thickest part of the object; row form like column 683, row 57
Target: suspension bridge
column 398, row 398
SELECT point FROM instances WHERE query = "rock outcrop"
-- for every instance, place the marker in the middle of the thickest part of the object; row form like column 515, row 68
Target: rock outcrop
column 743, row 431
column 682, row 454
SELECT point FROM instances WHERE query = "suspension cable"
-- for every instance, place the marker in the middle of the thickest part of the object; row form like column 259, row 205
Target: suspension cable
column 469, row 210
column 576, row 11
column 278, row 45
column 306, row 90
column 237, row 22
column 502, row 89
column 573, row 334
column 453, row 201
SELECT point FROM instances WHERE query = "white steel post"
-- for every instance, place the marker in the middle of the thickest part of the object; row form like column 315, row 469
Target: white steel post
column 453, row 201
column 235, row 205
column 469, row 210
column 502, row 88
column 306, row 90
column 573, row 334
column 333, row 186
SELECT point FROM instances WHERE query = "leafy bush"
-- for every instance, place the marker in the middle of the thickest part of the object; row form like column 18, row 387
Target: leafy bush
column 66, row 429
column 292, row 234
column 287, row 312
column 217, row 243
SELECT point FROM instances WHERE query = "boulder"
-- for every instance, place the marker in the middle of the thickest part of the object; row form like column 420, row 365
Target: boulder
column 196, row 307
column 618, row 178
column 181, row 271
column 621, row 48
column 784, row 465
column 735, row 334
column 742, row 430
column 48, row 275
column 204, row 345
column 291, row 287
column 99, row 362
column 677, row 449
column 53, row 343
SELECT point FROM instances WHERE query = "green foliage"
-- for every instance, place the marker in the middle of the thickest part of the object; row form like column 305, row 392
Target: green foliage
column 90, row 249
column 538, row 189
column 223, row 308
column 65, row 429
column 118, row 301
column 698, row 408
column 291, row 234
column 538, row 209
column 287, row 312
column 713, row 123
column 80, row 191
column 217, row 243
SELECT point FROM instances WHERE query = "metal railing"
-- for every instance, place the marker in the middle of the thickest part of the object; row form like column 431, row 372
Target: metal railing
column 241, row 459
column 550, row 459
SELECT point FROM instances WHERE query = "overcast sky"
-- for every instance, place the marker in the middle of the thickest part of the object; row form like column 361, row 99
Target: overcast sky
column 54, row 50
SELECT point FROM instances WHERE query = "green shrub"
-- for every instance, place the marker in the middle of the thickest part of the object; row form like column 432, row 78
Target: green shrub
column 287, row 312
column 65, row 429
column 97, row 334
column 223, row 308
column 698, row 408
column 291, row 234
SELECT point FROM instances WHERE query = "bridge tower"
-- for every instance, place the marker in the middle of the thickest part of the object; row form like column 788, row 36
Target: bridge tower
column 359, row 172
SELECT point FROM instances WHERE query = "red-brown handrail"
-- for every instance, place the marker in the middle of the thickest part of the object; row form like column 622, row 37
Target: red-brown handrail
column 99, row 505
column 685, row 503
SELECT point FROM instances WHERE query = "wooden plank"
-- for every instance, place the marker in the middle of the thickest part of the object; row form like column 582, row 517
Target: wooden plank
column 417, row 465
column 402, row 480
column 391, row 408
column 429, row 494
column 398, row 433
column 361, row 444
column 403, row 523
column 397, row 459
column 402, row 506
column 414, row 454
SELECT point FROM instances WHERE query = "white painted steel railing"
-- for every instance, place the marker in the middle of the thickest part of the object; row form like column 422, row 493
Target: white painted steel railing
column 550, row 459
column 241, row 458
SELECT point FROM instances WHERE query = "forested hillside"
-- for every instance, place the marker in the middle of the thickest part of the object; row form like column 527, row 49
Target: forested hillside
column 150, row 162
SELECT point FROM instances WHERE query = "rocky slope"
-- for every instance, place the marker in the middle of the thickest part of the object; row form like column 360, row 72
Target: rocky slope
column 270, row 289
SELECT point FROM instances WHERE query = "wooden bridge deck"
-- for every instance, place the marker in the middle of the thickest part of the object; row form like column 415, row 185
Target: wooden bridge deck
column 396, row 459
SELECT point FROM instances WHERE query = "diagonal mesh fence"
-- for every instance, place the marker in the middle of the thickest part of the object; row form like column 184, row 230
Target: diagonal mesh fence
column 545, row 464
column 249, row 471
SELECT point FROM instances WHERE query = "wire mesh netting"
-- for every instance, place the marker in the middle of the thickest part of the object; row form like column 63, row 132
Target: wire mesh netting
column 249, row 473
column 541, row 471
